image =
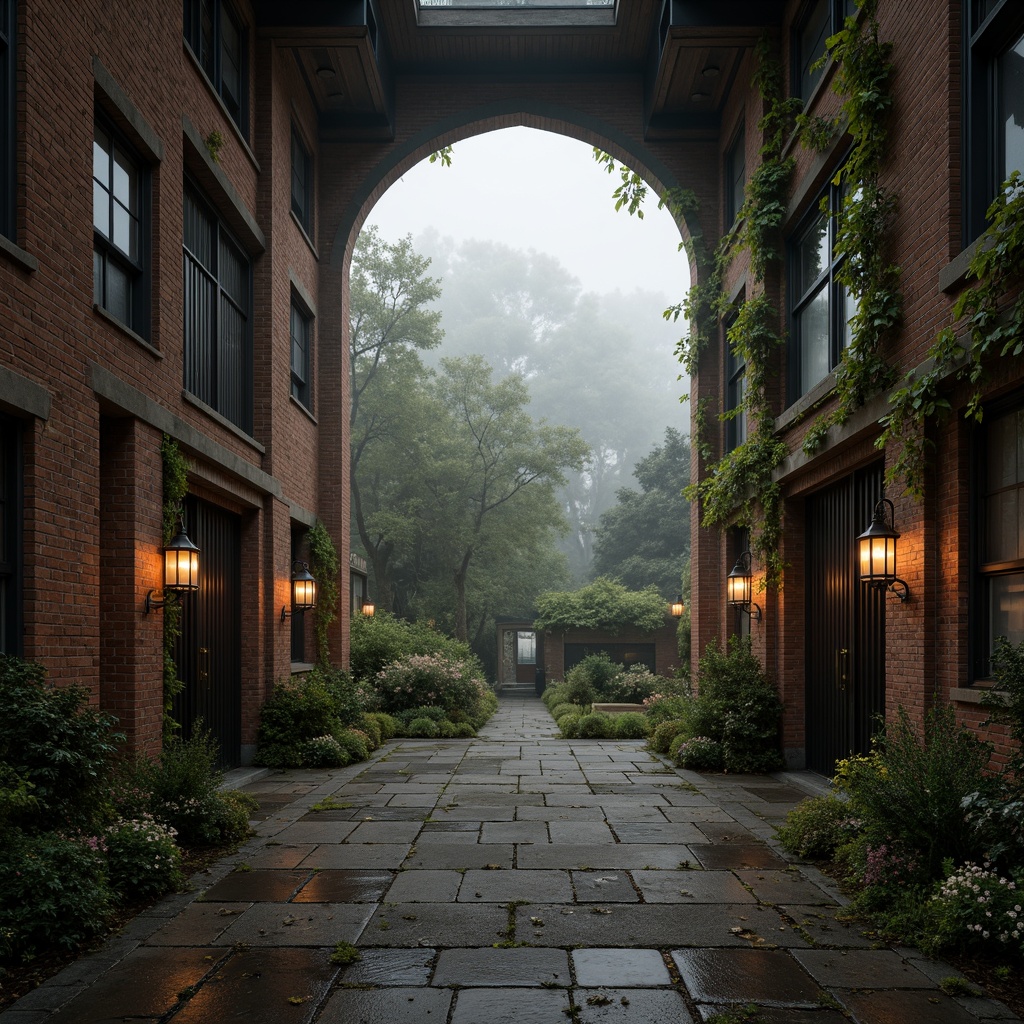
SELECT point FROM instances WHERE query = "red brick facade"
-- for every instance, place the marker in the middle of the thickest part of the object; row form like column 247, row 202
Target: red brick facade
column 87, row 401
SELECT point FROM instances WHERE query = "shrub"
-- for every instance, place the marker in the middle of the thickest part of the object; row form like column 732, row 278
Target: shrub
column 370, row 726
column 976, row 908
column 184, row 788
column 462, row 730
column 419, row 680
column 388, row 725
column 425, row 727
column 554, row 694
column 322, row 752
column 997, row 820
column 565, row 708
column 379, row 640
column 435, row 714
column 355, row 743
column 668, row 707
column 143, row 860
column 630, row 726
column 59, row 749
column 817, row 827
column 701, row 754
column 53, row 893
column 578, row 689
column 910, row 791
column 738, row 707
column 633, row 686
column 569, row 725
column 663, row 735
column 595, row 726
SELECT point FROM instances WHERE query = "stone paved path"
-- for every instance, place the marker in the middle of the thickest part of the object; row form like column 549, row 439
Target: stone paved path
column 518, row 878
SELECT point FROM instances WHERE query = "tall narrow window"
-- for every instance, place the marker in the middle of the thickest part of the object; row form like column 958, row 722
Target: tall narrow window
column 7, row 111
column 736, row 382
column 820, row 308
column 302, row 342
column 218, row 311
column 993, row 104
column 1001, row 542
column 302, row 183
column 735, row 178
column 821, row 19
column 10, row 537
column 217, row 37
column 118, row 191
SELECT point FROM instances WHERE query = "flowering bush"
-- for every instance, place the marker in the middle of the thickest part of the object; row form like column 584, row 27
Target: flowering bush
column 976, row 907
column 417, row 680
column 667, row 707
column 143, row 860
column 323, row 752
column 818, row 826
column 634, row 685
column 700, row 753
column 889, row 864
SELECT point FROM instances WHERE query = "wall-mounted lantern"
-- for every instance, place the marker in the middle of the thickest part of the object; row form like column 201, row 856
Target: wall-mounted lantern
column 739, row 587
column 368, row 607
column 303, row 590
column 181, row 571
column 676, row 608
column 876, row 552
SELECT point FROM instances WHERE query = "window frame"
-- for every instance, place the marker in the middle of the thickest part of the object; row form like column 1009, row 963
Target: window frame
column 302, row 182
column 735, row 183
column 209, row 52
column 986, row 39
column 8, row 114
column 213, row 394
column 826, row 280
column 299, row 383
column 804, row 81
column 136, row 268
column 735, row 390
column 983, row 572
column 11, row 536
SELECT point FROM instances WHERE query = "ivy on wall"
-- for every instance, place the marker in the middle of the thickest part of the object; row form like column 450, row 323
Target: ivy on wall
column 863, row 77
column 988, row 327
column 324, row 557
column 175, row 487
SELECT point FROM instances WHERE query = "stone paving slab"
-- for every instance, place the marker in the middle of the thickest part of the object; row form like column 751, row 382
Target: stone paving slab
column 502, row 886
column 437, row 925
column 631, row 1006
column 604, row 887
column 390, row 967
column 860, row 968
column 784, row 887
column 357, row 855
column 387, row 1006
column 345, row 886
column 198, row 925
column 505, row 967
column 767, row 977
column 621, row 856
column 597, row 968
column 277, row 886
column 508, row 1006
column 691, row 887
column 308, row 924
column 461, row 856
column 425, row 887
column 263, row 986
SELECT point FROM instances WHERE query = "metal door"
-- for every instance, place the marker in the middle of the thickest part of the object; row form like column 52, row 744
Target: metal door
column 845, row 625
column 208, row 652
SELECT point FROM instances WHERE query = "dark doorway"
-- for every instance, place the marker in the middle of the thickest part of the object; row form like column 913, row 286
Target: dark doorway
column 208, row 653
column 845, row 674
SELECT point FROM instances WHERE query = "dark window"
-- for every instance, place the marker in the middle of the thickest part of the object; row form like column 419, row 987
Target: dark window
column 302, row 183
column 820, row 307
column 119, row 191
column 736, row 382
column 735, row 178
column 218, row 312
column 821, row 19
column 7, row 129
column 1000, row 544
column 218, row 39
column 10, row 536
column 994, row 104
column 302, row 343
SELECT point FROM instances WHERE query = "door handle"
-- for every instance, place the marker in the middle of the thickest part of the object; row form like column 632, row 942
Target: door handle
column 204, row 666
column 842, row 664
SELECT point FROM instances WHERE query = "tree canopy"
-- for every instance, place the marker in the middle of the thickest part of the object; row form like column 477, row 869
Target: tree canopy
column 604, row 605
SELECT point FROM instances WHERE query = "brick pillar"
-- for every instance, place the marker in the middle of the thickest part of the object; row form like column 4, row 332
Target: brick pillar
column 131, row 641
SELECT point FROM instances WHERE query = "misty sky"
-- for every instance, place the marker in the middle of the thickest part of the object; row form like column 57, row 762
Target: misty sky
column 536, row 190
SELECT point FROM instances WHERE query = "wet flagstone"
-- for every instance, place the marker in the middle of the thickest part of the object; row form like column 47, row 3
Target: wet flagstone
column 517, row 877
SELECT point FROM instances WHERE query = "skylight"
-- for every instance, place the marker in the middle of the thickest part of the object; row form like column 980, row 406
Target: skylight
column 516, row 12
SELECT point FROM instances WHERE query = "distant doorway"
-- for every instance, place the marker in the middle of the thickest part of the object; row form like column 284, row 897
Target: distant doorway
column 209, row 651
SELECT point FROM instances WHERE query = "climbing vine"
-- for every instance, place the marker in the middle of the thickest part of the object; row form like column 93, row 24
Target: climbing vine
column 324, row 557
column 989, row 328
column 739, row 488
column 863, row 76
column 175, row 487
